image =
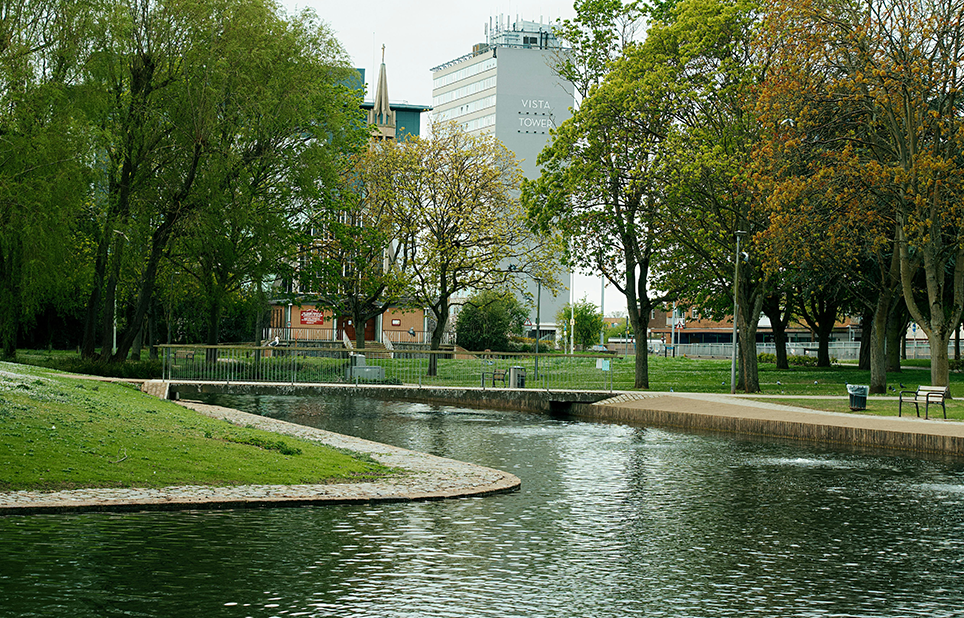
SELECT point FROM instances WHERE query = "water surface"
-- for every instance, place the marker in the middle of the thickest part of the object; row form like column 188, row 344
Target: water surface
column 611, row 521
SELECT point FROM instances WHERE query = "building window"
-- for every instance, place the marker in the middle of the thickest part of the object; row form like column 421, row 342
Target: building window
column 468, row 108
column 464, row 91
column 468, row 71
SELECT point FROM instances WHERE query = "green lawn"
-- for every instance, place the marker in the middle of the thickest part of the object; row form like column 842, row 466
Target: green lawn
column 61, row 432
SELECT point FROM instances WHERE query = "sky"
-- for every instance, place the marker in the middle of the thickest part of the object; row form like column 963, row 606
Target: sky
column 419, row 36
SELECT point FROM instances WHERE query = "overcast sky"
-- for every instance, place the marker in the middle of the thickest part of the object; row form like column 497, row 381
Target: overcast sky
column 419, row 36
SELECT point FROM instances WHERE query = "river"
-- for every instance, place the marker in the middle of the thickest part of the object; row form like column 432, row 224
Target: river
column 611, row 520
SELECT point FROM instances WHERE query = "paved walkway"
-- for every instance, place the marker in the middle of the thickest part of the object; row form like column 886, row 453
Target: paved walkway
column 758, row 407
column 760, row 417
column 426, row 477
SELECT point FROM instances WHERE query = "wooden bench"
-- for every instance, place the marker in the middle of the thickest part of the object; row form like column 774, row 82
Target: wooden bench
column 497, row 374
column 925, row 395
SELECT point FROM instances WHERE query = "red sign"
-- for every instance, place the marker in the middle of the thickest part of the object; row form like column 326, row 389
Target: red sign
column 312, row 316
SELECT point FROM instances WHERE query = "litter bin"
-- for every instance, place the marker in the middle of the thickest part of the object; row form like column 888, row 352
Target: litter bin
column 517, row 377
column 858, row 396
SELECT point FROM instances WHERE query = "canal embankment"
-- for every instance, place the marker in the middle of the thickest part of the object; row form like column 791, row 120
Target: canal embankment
column 730, row 414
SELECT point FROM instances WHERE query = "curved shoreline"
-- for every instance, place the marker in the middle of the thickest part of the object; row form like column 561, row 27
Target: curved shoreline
column 427, row 477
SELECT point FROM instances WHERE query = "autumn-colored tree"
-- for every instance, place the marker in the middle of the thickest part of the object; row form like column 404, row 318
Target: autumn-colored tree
column 889, row 72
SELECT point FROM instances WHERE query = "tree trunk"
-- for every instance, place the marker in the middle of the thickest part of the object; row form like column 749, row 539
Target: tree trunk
column 159, row 240
column 639, row 320
column 109, row 310
column 441, row 312
column 88, row 347
column 749, row 321
column 213, row 326
column 138, row 343
column 821, row 316
column 867, row 319
column 10, row 299
column 940, row 319
column 360, row 323
column 778, row 322
column 940, row 367
column 877, row 336
column 146, row 292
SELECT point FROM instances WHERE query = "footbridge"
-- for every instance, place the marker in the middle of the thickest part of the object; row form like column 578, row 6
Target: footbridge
column 526, row 400
column 531, row 382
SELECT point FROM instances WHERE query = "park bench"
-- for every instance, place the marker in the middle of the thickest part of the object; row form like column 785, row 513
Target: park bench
column 926, row 395
column 497, row 374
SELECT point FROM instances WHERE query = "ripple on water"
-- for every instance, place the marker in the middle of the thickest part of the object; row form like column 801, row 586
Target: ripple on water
column 610, row 521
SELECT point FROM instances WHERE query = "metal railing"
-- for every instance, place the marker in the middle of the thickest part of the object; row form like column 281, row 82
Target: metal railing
column 402, row 367
column 841, row 350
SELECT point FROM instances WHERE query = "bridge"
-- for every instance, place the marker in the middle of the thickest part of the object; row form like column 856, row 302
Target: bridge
column 526, row 400
column 543, row 382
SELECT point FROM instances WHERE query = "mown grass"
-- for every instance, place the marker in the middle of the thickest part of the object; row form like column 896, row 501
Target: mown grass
column 876, row 406
column 61, row 432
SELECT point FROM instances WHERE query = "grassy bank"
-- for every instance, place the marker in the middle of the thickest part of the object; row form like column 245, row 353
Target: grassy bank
column 61, row 432
column 877, row 406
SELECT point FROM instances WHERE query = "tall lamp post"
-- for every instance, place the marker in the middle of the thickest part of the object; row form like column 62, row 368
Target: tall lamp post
column 515, row 269
column 736, row 308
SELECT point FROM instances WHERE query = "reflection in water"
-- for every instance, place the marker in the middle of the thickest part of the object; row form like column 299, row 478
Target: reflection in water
column 611, row 521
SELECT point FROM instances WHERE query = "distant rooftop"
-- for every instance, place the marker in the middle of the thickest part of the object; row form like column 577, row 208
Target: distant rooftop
column 499, row 32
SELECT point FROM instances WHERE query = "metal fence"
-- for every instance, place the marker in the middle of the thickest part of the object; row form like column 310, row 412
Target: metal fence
column 403, row 367
column 302, row 335
column 841, row 350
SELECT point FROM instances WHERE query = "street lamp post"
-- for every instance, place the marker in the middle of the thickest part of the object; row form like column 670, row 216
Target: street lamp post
column 736, row 308
column 538, row 324
column 515, row 269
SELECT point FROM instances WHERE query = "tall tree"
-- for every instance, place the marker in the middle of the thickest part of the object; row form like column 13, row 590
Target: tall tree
column 705, row 58
column 600, row 185
column 455, row 196
column 283, row 129
column 42, row 148
column 359, row 268
column 213, row 110
column 894, row 70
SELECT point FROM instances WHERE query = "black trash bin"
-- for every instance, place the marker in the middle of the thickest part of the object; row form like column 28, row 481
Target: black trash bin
column 858, row 396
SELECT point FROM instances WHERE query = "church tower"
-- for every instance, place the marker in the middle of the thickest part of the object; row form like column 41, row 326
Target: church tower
column 381, row 115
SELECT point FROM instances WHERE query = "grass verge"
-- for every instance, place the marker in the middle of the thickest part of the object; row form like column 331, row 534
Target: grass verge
column 875, row 407
column 60, row 432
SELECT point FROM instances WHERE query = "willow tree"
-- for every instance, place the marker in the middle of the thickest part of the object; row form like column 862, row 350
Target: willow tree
column 895, row 68
column 42, row 181
column 455, row 195
column 211, row 111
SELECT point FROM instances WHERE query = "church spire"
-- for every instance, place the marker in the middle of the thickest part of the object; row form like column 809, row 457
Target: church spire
column 381, row 115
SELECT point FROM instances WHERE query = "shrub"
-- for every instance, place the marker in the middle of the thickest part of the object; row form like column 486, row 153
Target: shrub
column 793, row 360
